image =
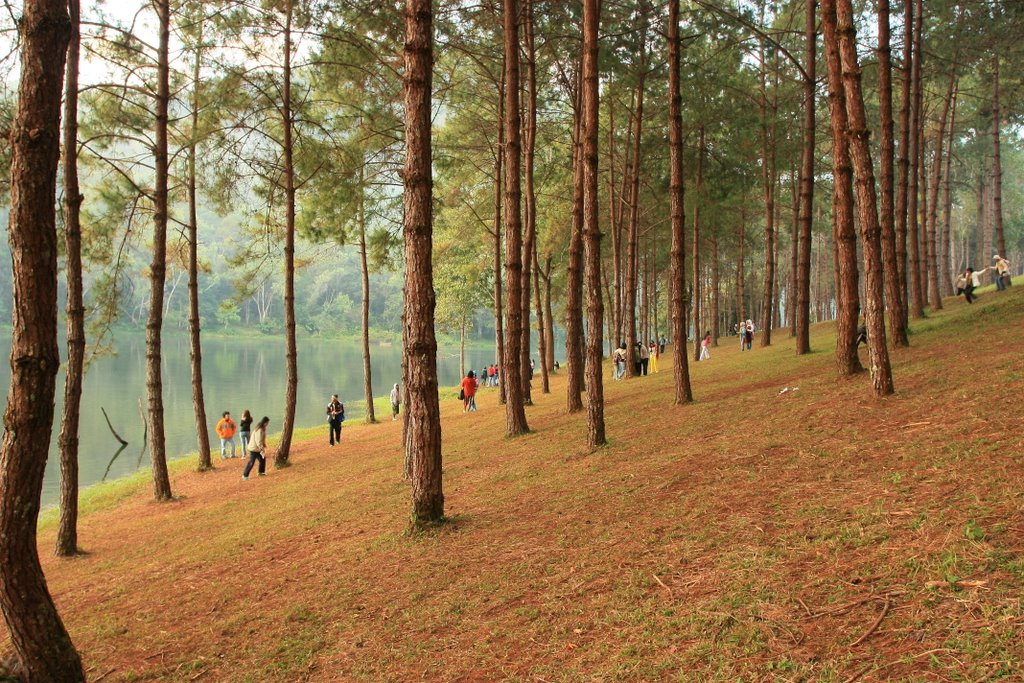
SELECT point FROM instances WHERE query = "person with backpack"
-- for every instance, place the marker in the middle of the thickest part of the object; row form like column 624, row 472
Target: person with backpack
column 335, row 416
column 226, row 432
column 258, row 448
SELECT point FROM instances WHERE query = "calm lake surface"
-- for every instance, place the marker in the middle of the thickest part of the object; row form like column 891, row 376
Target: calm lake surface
column 237, row 374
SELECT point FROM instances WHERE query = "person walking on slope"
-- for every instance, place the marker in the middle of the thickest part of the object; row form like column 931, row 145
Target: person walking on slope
column 971, row 281
column 1002, row 272
column 226, row 432
column 619, row 360
column 469, row 385
column 705, row 353
column 258, row 448
column 335, row 416
column 396, row 399
column 244, row 429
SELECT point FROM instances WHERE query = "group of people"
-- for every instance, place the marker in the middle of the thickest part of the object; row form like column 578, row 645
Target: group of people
column 970, row 279
column 645, row 357
column 745, row 331
column 253, row 440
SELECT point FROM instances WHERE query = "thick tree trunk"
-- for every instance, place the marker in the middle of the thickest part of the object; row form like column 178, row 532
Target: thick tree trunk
column 934, row 241
column 848, row 296
column 947, row 201
column 695, row 256
column 677, row 286
column 43, row 650
column 997, row 163
column 67, row 529
column 194, row 321
column 290, row 347
column 913, row 188
column 499, row 318
column 574, row 277
column 529, row 198
column 893, row 286
column 424, row 440
column 158, row 267
column 803, row 297
column 841, row 11
column 903, row 169
column 591, row 229
column 515, row 412
column 364, row 272
column 633, row 239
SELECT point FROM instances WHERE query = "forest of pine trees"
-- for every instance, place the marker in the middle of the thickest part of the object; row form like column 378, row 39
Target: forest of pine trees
column 618, row 170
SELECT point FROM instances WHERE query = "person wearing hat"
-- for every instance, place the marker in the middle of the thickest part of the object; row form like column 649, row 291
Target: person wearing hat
column 1002, row 272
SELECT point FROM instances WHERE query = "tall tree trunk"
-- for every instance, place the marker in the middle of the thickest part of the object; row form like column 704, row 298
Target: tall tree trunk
column 794, row 257
column 158, row 267
column 515, row 412
column 715, row 289
column 696, row 245
column 548, row 319
column 67, row 529
column 903, row 168
column 542, row 340
column 43, row 651
column 768, row 176
column 848, row 296
column 499, row 322
column 741, row 229
column 574, row 276
column 803, row 297
column 364, row 272
column 947, row 201
column 290, row 346
column 677, row 286
column 916, row 141
column 591, row 229
column 530, row 197
column 841, row 11
column 422, row 408
column 632, row 246
column 613, row 201
column 997, row 163
column 194, row 320
column 891, row 270
column 934, row 241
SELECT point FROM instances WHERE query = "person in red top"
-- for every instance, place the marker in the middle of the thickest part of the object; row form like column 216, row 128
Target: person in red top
column 469, row 385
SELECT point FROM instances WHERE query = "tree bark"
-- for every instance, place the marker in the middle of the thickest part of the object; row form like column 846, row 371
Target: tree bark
column 891, row 270
column 529, row 198
column 158, row 266
column 542, row 341
column 997, row 163
column 515, row 412
column 422, row 407
column 803, row 302
column 548, row 319
column 794, row 257
column 741, row 238
column 194, row 321
column 903, row 170
column 947, row 201
column 574, row 278
column 633, row 239
column 715, row 290
column 934, row 291
column 768, row 176
column 841, row 11
column 364, row 272
column 591, row 229
column 677, row 286
column 67, row 529
column 43, row 650
column 847, row 276
column 290, row 348
column 696, row 245
column 914, row 252
column 499, row 318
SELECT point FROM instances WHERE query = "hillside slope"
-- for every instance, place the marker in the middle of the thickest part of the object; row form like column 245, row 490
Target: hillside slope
column 817, row 534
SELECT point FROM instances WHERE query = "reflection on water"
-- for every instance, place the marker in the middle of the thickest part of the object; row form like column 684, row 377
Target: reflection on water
column 237, row 374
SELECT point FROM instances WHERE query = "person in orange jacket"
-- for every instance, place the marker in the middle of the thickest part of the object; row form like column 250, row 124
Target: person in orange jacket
column 226, row 432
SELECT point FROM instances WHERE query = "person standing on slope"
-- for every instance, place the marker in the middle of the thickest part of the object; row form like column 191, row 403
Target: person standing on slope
column 258, row 448
column 335, row 416
column 226, row 432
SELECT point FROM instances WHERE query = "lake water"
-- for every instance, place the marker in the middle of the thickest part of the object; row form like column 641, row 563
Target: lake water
column 237, row 374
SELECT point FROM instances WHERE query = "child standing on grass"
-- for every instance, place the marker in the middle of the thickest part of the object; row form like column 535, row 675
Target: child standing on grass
column 258, row 448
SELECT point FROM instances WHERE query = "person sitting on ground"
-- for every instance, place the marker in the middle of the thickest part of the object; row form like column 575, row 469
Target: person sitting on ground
column 226, row 432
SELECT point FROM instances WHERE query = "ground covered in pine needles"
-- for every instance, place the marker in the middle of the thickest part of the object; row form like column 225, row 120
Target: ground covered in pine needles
column 813, row 535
